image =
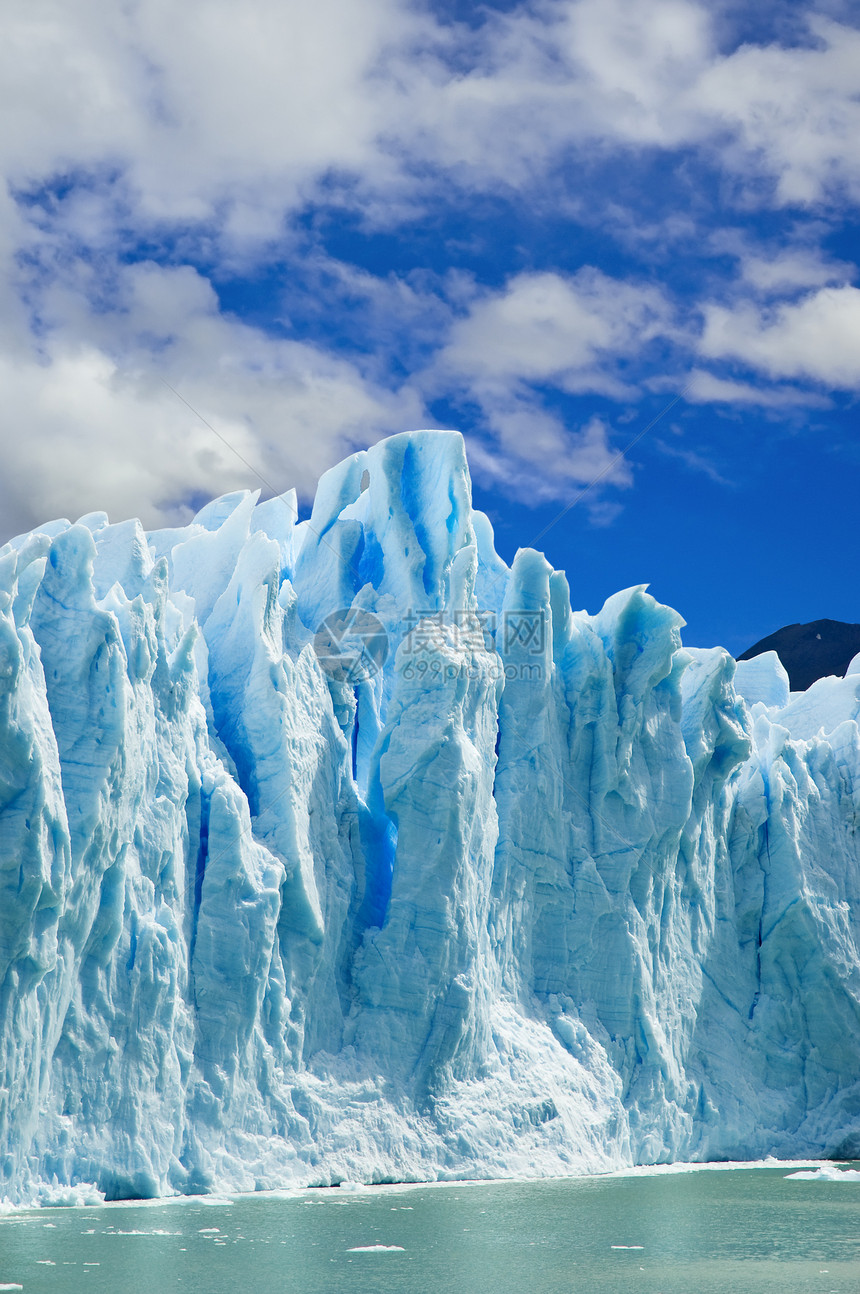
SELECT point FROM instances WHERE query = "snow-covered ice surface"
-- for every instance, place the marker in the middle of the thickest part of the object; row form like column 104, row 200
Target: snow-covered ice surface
column 544, row 894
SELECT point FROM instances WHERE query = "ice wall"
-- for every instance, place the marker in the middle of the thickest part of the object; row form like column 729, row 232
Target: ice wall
column 338, row 849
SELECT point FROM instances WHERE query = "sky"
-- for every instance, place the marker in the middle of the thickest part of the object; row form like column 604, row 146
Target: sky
column 613, row 242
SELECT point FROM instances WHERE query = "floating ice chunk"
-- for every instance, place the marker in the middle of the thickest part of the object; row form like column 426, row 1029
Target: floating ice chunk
column 134, row 1232
column 826, row 1175
column 53, row 1196
column 376, row 1249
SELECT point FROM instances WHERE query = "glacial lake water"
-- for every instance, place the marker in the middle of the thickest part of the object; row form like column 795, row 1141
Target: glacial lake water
column 707, row 1232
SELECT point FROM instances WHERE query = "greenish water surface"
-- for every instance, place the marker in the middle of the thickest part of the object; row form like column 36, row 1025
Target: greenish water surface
column 713, row 1232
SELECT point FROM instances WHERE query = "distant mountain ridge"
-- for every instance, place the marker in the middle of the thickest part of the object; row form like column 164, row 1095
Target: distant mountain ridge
column 811, row 651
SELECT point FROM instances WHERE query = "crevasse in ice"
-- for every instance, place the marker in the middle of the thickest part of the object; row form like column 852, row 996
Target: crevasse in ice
column 519, row 891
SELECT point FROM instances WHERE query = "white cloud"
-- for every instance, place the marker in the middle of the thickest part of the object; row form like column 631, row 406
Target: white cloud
column 569, row 331
column 794, row 263
column 536, row 459
column 707, row 388
column 541, row 332
column 195, row 104
column 794, row 269
column 214, row 124
column 816, row 338
column 500, row 105
column 793, row 113
column 89, row 424
column 208, row 112
column 539, row 83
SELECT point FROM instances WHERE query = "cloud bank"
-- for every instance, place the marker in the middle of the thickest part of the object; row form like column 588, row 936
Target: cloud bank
column 155, row 159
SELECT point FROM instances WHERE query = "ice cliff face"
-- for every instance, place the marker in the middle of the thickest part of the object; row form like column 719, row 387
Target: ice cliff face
column 465, row 883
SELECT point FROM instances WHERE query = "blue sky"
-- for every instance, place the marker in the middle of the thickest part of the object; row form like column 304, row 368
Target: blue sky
column 538, row 223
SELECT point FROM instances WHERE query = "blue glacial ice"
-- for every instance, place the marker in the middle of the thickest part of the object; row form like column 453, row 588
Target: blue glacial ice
column 520, row 890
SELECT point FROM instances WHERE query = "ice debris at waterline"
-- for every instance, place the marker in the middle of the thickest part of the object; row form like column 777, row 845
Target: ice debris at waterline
column 340, row 850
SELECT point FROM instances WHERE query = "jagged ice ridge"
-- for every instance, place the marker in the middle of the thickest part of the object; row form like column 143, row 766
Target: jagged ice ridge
column 547, row 893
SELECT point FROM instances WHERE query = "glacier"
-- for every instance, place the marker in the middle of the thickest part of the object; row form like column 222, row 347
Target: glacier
column 338, row 850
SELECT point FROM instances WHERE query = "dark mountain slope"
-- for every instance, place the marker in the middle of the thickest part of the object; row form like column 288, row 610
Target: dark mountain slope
column 811, row 651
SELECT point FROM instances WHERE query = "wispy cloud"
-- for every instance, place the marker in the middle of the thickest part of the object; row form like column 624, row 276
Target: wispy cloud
column 691, row 458
column 707, row 388
column 536, row 458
